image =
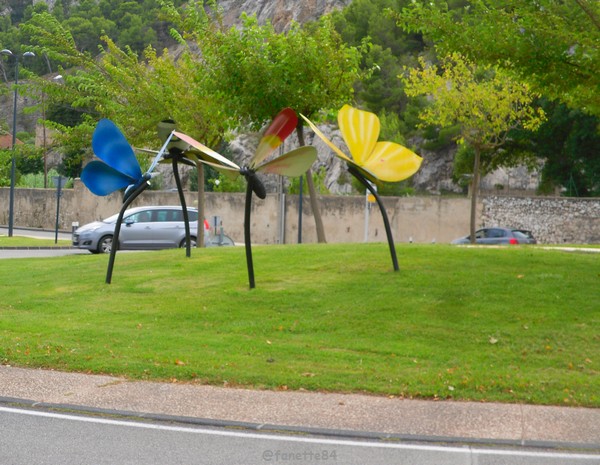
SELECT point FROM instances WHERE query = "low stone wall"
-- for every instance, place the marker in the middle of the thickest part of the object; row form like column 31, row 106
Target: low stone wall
column 345, row 218
column 274, row 220
column 555, row 220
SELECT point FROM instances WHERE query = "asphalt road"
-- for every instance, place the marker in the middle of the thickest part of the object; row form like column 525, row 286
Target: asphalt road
column 36, row 253
column 39, row 233
column 49, row 438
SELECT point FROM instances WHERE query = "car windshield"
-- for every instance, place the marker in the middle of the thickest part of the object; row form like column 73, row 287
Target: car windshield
column 520, row 234
column 111, row 219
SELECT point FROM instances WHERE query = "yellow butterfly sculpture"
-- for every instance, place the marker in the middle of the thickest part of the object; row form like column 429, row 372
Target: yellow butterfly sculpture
column 370, row 160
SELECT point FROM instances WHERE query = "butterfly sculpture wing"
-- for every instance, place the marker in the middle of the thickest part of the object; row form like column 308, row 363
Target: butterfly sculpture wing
column 388, row 161
column 111, row 146
column 280, row 128
column 384, row 161
column 103, row 180
column 367, row 174
column 119, row 167
column 393, row 162
column 360, row 130
column 209, row 156
column 294, row 163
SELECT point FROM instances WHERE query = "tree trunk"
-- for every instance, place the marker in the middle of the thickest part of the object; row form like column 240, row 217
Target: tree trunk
column 314, row 204
column 474, row 190
column 200, row 233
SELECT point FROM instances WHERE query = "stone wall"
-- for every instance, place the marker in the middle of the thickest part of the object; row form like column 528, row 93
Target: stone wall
column 346, row 218
column 274, row 220
column 555, row 220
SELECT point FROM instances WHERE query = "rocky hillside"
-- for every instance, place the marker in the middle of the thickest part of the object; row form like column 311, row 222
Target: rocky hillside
column 435, row 175
column 279, row 12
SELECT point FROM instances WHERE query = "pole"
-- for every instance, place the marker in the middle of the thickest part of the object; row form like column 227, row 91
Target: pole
column 58, row 195
column 386, row 221
column 367, row 209
column 115, row 243
column 247, row 240
column 300, row 212
column 13, row 163
column 186, row 219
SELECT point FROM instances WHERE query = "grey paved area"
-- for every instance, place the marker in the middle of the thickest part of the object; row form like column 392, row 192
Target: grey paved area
column 36, row 233
column 356, row 414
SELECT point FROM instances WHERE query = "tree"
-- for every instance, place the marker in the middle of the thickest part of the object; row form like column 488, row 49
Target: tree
column 484, row 101
column 135, row 93
column 258, row 72
column 390, row 48
column 552, row 44
column 569, row 141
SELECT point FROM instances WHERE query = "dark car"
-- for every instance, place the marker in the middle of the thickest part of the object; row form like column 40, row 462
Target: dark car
column 498, row 236
column 144, row 228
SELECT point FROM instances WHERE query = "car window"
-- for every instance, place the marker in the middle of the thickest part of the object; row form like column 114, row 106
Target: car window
column 495, row 233
column 520, row 235
column 480, row 234
column 519, row 232
column 169, row 215
column 193, row 215
column 140, row 217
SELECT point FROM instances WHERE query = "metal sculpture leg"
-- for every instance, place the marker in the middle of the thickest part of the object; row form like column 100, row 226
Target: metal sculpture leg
column 186, row 219
column 115, row 241
column 247, row 234
column 386, row 222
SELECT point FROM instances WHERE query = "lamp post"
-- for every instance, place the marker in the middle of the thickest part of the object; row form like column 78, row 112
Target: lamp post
column 13, row 164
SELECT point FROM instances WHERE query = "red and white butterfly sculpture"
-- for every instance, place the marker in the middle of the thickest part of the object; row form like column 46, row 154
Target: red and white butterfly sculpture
column 293, row 163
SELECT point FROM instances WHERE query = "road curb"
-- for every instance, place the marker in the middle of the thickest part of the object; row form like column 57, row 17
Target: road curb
column 39, row 248
column 267, row 428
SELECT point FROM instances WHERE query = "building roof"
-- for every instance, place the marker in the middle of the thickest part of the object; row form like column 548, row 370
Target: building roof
column 6, row 141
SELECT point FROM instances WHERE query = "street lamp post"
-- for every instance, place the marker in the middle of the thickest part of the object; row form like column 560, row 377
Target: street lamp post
column 13, row 165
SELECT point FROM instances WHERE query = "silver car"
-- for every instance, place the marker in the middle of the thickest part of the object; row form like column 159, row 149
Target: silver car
column 143, row 228
column 498, row 235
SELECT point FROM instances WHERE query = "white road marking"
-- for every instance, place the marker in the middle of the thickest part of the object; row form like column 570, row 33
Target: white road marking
column 339, row 442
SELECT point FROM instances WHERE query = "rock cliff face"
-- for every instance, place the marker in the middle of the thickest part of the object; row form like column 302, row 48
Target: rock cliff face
column 279, row 12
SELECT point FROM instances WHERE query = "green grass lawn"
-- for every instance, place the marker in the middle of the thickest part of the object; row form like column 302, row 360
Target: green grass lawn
column 498, row 324
column 23, row 241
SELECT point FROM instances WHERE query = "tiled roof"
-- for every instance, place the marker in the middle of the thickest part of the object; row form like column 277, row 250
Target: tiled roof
column 6, row 141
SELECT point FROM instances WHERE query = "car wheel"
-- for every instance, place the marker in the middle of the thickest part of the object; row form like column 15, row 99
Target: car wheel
column 193, row 242
column 105, row 244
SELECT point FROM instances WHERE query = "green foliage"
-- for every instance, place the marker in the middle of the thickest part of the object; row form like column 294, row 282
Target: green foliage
column 485, row 102
column 29, row 158
column 74, row 145
column 387, row 189
column 318, row 179
column 392, row 128
column 222, row 183
column 569, row 140
column 136, row 94
column 259, row 72
column 36, row 180
column 439, row 138
column 389, row 50
column 5, row 164
column 551, row 44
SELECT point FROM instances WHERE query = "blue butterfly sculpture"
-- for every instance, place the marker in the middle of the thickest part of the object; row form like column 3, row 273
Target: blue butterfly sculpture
column 119, row 169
